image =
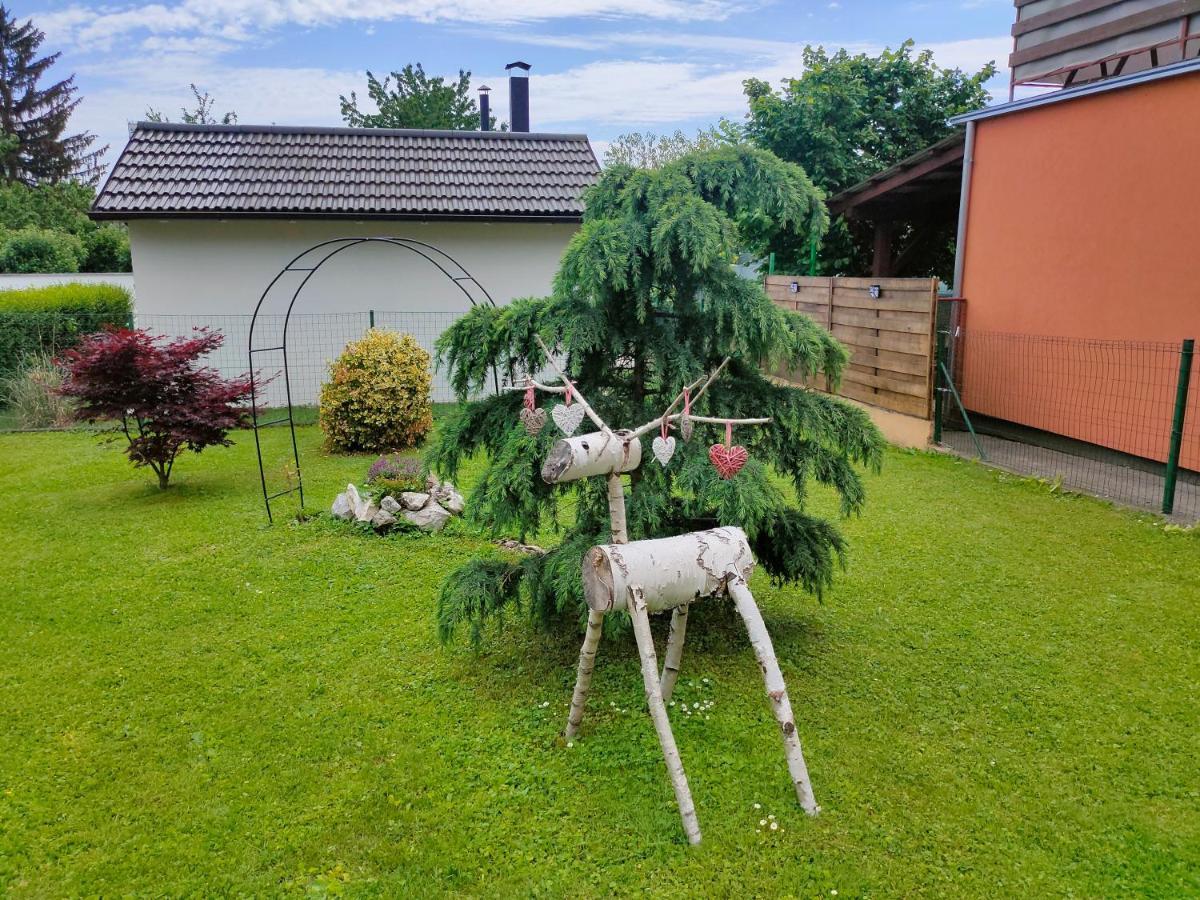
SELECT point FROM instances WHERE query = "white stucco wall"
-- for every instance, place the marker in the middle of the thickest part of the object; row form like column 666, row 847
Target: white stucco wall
column 213, row 272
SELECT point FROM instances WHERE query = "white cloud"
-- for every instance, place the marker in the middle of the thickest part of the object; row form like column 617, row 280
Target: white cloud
column 243, row 19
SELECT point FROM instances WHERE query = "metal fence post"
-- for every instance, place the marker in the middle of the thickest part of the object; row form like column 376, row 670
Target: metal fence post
column 371, row 318
column 1181, row 394
column 771, row 264
column 938, row 390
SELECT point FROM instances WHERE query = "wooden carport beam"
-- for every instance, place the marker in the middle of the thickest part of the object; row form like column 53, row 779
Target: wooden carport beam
column 881, row 252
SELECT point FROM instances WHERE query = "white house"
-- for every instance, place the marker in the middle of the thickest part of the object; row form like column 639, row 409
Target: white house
column 215, row 212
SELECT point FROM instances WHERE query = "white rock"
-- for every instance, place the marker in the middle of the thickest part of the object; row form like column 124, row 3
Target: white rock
column 431, row 482
column 343, row 508
column 359, row 504
column 411, row 500
column 431, row 518
column 390, row 504
column 383, row 519
column 453, row 501
column 366, row 512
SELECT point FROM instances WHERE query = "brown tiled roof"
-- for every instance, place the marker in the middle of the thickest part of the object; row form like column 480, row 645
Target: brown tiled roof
column 179, row 171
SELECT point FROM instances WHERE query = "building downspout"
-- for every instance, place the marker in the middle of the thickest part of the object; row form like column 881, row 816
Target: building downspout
column 964, row 205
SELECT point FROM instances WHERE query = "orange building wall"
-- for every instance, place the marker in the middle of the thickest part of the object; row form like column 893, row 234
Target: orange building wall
column 1083, row 223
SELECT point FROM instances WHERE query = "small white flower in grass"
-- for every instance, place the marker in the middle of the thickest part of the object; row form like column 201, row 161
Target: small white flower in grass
column 695, row 706
column 774, row 826
column 762, row 822
column 771, row 816
column 758, row 806
column 705, row 680
column 570, row 743
column 833, row 891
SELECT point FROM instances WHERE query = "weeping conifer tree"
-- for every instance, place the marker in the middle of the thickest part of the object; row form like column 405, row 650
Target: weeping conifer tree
column 645, row 301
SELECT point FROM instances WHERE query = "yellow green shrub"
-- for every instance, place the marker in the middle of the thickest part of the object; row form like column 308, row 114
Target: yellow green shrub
column 377, row 396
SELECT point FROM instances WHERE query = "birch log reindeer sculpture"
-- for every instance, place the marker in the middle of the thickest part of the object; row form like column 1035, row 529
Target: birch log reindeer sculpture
column 663, row 574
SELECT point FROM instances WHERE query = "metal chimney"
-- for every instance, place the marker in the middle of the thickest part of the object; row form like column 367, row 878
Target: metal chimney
column 518, row 95
column 485, row 109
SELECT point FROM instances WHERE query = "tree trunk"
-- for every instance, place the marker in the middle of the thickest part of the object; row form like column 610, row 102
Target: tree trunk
column 658, row 712
column 670, row 571
column 674, row 653
column 760, row 640
column 597, row 453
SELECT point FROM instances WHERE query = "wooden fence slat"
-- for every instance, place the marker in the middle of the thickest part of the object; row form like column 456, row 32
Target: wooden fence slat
column 902, row 403
column 884, row 340
column 912, row 385
column 891, row 360
column 906, row 301
column 905, row 323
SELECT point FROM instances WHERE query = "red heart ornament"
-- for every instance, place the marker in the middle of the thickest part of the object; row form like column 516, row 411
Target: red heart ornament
column 728, row 461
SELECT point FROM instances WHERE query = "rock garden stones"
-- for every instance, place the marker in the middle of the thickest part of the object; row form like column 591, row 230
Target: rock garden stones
column 428, row 511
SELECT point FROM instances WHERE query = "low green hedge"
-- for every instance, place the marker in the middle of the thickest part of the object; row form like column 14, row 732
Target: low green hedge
column 52, row 319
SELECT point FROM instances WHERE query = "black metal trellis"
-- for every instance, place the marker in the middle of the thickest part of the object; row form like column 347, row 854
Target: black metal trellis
column 320, row 254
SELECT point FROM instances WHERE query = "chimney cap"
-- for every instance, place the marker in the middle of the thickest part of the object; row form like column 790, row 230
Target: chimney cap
column 518, row 65
column 483, row 89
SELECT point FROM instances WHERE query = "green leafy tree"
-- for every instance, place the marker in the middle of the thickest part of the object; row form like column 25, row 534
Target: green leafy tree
column 411, row 99
column 41, row 250
column 202, row 114
column 851, row 116
column 34, row 147
column 648, row 150
column 645, row 301
column 59, row 209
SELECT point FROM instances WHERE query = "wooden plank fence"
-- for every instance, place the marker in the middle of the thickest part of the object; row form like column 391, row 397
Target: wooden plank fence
column 890, row 338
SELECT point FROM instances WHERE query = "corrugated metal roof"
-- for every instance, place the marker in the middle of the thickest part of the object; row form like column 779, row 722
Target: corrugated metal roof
column 171, row 170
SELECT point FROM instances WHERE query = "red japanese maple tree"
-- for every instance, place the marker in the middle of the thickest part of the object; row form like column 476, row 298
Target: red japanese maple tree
column 162, row 399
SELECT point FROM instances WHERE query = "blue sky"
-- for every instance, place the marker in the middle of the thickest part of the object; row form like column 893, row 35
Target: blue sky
column 600, row 66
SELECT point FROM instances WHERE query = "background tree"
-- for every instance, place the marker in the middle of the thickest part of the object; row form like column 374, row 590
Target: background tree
column 201, row 115
column 163, row 401
column 850, row 116
column 57, row 213
column 33, row 146
column 645, row 301
column 648, row 150
column 411, row 99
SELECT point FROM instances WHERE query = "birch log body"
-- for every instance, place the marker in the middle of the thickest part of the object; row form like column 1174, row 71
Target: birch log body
column 597, row 453
column 669, row 571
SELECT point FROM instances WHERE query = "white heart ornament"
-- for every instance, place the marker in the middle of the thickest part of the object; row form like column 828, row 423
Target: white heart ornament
column 567, row 418
column 664, row 449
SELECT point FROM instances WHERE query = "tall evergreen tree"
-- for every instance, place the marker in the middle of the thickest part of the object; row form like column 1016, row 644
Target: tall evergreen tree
column 645, row 301
column 34, row 148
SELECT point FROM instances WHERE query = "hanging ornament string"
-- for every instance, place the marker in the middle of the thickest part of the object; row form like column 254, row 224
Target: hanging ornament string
column 532, row 418
column 566, row 417
column 685, row 421
column 727, row 458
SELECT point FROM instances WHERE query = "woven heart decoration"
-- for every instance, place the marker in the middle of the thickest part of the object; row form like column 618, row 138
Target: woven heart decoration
column 728, row 461
column 663, row 445
column 728, row 458
column 686, row 425
column 567, row 418
column 534, row 421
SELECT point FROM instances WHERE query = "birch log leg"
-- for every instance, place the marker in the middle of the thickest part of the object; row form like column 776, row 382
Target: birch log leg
column 591, row 638
column 583, row 681
column 760, row 640
column 658, row 712
column 674, row 651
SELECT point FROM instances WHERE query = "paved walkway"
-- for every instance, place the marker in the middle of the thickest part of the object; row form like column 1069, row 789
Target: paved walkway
column 1109, row 480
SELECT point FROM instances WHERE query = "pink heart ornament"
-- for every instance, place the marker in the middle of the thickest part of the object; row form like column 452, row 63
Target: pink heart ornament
column 567, row 418
column 534, row 421
column 728, row 461
column 664, row 449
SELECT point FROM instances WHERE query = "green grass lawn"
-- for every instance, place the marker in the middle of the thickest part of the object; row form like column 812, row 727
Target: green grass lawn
column 998, row 699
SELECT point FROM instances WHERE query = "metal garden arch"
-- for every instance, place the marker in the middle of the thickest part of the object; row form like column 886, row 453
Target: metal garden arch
column 308, row 263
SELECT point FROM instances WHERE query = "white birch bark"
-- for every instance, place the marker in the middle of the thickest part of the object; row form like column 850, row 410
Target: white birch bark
column 658, row 713
column 670, row 571
column 760, row 640
column 674, row 652
column 596, row 453
column 583, row 679
column 591, row 638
